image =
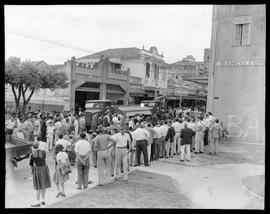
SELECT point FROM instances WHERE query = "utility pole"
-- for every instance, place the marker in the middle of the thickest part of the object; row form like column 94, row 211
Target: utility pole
column 128, row 87
column 104, row 73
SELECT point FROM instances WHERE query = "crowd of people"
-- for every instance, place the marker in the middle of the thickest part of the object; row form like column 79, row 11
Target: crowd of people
column 114, row 148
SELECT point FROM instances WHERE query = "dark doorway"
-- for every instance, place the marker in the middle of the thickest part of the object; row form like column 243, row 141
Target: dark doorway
column 82, row 96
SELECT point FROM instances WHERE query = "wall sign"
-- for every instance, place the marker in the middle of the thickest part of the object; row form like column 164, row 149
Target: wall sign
column 241, row 63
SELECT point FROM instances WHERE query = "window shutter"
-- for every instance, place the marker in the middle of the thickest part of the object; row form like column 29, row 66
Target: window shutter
column 237, row 38
column 245, row 34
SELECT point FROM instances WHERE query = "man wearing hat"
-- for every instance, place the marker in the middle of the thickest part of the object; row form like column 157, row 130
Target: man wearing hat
column 122, row 140
column 186, row 136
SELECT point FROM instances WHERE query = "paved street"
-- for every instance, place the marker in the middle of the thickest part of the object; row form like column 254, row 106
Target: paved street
column 207, row 182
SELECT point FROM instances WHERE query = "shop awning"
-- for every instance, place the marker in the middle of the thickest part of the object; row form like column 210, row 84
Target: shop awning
column 134, row 94
column 115, row 60
column 115, row 89
column 160, row 97
column 193, row 98
column 89, row 60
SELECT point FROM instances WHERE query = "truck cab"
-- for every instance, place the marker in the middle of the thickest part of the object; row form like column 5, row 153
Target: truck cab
column 99, row 107
column 155, row 105
column 106, row 108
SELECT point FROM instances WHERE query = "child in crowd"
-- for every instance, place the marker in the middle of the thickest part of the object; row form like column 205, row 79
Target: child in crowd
column 60, row 176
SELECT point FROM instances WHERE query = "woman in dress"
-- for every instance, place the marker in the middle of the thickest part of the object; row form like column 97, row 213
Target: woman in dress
column 59, row 176
column 41, row 174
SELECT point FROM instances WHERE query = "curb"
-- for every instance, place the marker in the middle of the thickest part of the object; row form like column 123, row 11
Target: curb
column 254, row 194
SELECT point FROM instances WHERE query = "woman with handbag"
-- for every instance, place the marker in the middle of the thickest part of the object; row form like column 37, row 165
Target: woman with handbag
column 62, row 170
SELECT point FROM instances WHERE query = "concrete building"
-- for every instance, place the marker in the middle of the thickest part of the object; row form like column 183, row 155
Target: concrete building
column 236, row 87
column 148, row 65
column 206, row 58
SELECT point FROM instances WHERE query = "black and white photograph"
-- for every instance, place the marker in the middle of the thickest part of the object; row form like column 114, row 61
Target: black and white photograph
column 135, row 106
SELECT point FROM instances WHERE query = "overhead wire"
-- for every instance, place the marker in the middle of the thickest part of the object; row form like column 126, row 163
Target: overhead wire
column 55, row 43
column 67, row 46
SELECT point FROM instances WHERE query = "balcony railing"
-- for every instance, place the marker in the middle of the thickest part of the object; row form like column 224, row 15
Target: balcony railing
column 154, row 83
column 135, row 80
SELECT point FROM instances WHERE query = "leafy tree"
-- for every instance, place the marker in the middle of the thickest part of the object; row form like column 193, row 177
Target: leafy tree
column 24, row 78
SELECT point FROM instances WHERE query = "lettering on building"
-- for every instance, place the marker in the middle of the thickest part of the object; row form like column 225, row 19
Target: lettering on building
column 241, row 63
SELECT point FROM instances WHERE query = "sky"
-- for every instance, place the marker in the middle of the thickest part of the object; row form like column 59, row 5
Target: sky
column 55, row 33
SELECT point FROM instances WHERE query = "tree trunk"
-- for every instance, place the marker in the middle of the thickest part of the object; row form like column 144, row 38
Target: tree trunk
column 17, row 98
column 26, row 101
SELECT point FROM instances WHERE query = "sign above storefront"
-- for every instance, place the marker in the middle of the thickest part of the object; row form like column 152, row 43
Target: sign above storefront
column 241, row 63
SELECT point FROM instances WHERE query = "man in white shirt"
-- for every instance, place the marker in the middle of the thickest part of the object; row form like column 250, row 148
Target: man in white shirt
column 18, row 132
column 82, row 150
column 140, row 136
column 122, row 139
column 37, row 122
column 65, row 143
column 164, row 130
column 42, row 145
column 28, row 128
column 50, row 133
column 115, row 119
column 131, row 123
column 207, row 122
column 177, row 127
column 10, row 124
column 76, row 126
column 192, row 125
column 57, row 126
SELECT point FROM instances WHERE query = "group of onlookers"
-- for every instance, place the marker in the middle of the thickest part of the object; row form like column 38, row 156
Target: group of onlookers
column 112, row 149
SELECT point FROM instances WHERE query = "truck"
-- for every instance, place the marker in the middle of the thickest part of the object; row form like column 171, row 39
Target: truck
column 17, row 149
column 106, row 108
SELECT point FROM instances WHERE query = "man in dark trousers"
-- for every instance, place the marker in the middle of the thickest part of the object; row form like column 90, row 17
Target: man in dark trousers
column 186, row 135
column 140, row 135
column 169, row 139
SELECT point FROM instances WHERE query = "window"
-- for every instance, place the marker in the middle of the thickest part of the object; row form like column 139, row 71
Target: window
column 164, row 76
column 117, row 66
column 147, row 72
column 156, row 72
column 241, row 34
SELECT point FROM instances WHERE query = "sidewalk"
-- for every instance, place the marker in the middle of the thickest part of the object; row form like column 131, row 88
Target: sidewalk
column 208, row 181
column 23, row 196
column 213, row 186
column 233, row 152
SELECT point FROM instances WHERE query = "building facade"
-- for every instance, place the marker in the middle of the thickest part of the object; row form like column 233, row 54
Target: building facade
column 147, row 65
column 236, row 87
column 123, row 75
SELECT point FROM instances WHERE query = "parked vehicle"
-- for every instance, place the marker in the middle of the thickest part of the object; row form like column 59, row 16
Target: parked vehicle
column 17, row 149
column 106, row 107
